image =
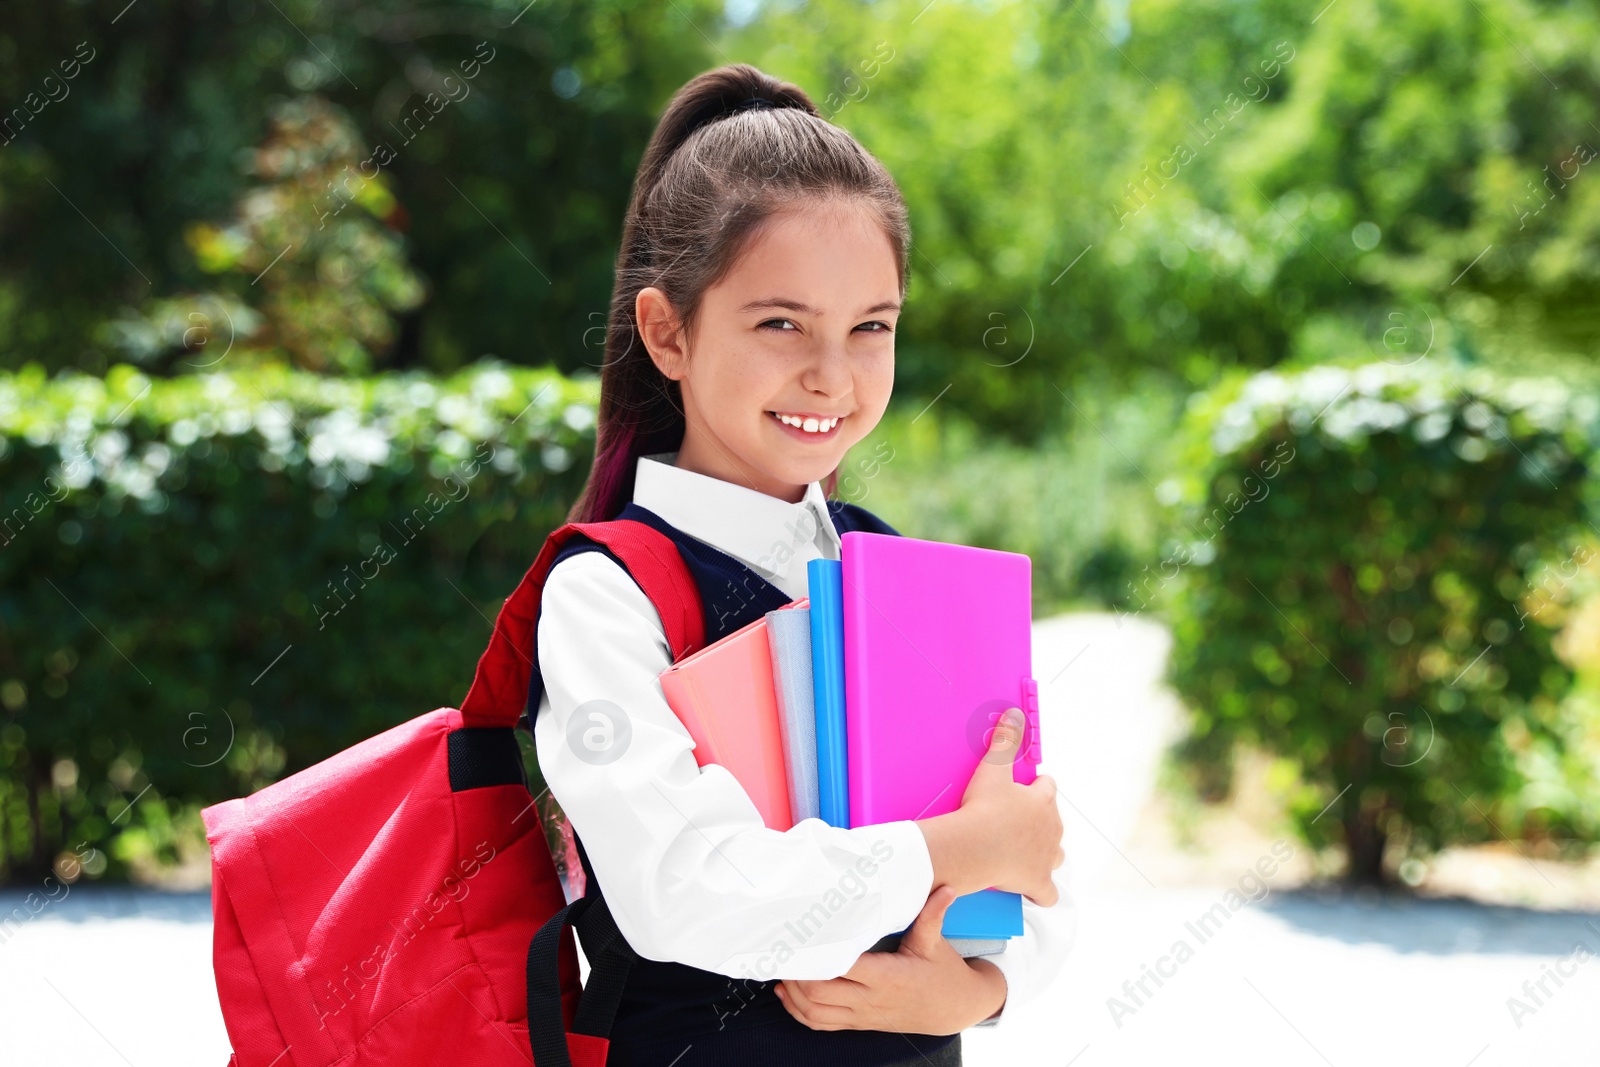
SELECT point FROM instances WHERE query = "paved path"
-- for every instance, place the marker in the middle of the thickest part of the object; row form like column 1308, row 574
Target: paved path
column 122, row 978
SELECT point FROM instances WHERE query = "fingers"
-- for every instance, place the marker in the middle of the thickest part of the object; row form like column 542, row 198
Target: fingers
column 810, row 1011
column 1046, row 784
column 824, row 992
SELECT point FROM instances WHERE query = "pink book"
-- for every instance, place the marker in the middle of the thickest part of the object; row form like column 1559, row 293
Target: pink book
column 937, row 644
column 724, row 697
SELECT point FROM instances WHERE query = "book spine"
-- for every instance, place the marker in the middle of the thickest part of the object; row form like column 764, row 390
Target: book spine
column 825, row 587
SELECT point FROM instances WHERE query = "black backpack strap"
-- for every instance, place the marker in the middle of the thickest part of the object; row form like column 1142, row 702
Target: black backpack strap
column 610, row 959
column 652, row 559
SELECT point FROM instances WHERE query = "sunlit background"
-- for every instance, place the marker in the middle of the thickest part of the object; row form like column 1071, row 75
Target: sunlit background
column 1266, row 329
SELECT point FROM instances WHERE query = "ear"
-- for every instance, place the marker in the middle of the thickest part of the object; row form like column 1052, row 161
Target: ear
column 661, row 332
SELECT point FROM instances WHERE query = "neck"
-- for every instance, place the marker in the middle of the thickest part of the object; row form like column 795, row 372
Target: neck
column 702, row 456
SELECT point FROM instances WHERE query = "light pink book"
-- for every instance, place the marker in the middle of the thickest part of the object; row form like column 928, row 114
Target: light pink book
column 725, row 698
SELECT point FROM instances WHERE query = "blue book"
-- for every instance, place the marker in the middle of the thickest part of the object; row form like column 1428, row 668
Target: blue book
column 988, row 913
column 825, row 578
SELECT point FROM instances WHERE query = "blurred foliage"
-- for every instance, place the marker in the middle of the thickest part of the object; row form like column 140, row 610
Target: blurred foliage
column 211, row 581
column 1566, row 597
column 512, row 134
column 1426, row 139
column 324, row 284
column 1169, row 187
column 1078, row 503
column 1350, row 594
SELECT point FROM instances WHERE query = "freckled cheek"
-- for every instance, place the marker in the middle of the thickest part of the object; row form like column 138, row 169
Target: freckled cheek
column 743, row 399
column 756, row 381
column 875, row 381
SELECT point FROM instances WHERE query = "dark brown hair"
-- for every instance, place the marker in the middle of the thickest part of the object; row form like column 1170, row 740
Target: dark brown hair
column 716, row 169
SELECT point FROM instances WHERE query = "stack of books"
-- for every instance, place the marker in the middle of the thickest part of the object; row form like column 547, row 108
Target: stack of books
column 873, row 698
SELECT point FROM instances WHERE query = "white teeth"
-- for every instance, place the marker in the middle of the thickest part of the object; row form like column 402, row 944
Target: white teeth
column 810, row 424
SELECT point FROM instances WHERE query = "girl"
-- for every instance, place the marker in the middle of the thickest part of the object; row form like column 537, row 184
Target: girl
column 750, row 345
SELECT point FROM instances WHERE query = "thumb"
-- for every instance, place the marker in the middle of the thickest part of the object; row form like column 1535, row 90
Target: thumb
column 1003, row 744
column 927, row 932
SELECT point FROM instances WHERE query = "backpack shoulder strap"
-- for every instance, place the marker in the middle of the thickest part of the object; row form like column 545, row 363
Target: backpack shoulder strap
column 500, row 685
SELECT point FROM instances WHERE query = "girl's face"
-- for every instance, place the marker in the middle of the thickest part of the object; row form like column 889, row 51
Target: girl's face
column 801, row 327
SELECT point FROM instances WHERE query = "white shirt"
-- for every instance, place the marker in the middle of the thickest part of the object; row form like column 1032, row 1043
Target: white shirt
column 691, row 873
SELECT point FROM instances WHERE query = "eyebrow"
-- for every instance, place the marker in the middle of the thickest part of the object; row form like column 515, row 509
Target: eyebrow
column 806, row 309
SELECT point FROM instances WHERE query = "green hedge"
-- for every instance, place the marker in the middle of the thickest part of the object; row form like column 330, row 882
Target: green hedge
column 1349, row 589
column 208, row 582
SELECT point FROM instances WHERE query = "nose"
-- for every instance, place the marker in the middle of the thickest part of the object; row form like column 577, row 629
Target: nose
column 829, row 373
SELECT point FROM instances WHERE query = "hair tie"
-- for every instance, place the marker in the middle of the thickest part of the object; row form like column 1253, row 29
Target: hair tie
column 753, row 102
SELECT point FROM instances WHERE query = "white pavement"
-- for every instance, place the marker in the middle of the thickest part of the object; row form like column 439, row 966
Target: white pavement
column 1294, row 978
column 122, row 977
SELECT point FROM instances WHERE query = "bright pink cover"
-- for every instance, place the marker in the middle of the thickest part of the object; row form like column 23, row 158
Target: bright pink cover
column 937, row 644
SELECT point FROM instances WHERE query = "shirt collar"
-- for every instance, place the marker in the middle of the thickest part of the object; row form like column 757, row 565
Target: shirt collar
column 772, row 537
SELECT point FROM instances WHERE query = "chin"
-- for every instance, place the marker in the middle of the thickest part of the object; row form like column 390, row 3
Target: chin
column 806, row 473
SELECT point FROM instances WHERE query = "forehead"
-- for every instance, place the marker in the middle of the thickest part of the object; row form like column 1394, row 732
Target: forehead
column 832, row 255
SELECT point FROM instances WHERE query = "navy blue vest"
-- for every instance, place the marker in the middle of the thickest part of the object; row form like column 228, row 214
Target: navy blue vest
column 670, row 1007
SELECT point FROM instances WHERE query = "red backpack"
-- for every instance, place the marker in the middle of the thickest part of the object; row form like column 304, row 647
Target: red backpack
column 397, row 903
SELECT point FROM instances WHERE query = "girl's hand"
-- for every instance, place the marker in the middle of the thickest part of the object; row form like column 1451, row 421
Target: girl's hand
column 1004, row 834
column 925, row 987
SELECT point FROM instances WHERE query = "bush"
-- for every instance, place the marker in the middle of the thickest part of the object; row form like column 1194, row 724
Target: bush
column 330, row 305
column 1350, row 596
column 1077, row 501
column 211, row 581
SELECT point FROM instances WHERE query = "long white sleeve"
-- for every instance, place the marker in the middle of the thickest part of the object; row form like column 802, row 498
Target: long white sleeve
column 691, row 873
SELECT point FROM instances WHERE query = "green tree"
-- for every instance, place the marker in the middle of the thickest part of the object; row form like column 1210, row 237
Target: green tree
column 1437, row 155
column 1351, row 588
column 514, row 189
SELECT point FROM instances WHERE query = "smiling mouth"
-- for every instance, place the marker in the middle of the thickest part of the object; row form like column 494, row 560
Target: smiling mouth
column 819, row 425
